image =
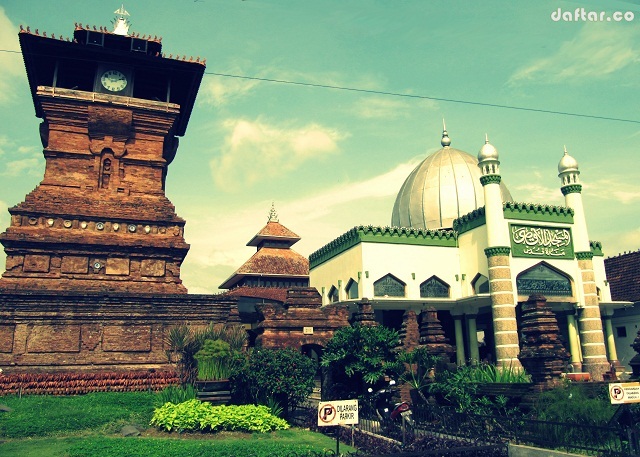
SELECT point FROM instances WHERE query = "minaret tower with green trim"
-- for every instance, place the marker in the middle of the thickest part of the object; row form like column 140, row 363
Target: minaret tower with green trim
column 503, row 304
column 594, row 351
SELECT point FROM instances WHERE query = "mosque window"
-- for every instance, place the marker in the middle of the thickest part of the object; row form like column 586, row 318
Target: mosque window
column 434, row 287
column 542, row 279
column 389, row 286
column 334, row 296
column 622, row 332
column 352, row 289
column 480, row 284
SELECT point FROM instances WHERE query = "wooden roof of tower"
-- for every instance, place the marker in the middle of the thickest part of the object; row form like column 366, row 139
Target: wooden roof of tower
column 274, row 257
column 91, row 45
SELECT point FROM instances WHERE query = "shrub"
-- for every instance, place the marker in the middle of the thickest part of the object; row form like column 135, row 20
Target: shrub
column 459, row 387
column 420, row 368
column 488, row 373
column 214, row 360
column 194, row 415
column 574, row 403
column 360, row 354
column 283, row 375
column 184, row 342
column 177, row 394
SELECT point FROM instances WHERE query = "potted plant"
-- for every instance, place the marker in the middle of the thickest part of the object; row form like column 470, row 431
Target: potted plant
column 213, row 360
column 206, row 357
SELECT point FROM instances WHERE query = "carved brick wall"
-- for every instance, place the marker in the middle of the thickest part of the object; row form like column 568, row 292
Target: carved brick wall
column 300, row 321
column 70, row 332
column 99, row 220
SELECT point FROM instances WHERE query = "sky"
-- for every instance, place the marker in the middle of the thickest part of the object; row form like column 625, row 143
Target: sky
column 331, row 159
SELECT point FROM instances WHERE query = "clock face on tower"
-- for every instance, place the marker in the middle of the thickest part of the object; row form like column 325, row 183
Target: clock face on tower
column 113, row 80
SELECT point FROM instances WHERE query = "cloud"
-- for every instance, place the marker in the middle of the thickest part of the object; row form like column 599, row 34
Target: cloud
column 596, row 51
column 616, row 190
column 219, row 90
column 318, row 219
column 10, row 62
column 254, row 151
column 4, row 145
column 373, row 107
column 19, row 161
column 22, row 167
column 537, row 193
column 348, row 195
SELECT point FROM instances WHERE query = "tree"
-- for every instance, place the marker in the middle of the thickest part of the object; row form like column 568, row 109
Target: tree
column 360, row 354
column 284, row 376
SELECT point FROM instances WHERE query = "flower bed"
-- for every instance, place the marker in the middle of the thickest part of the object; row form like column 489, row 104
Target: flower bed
column 82, row 383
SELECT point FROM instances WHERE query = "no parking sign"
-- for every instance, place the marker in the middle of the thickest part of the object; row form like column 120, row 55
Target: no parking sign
column 628, row 392
column 338, row 412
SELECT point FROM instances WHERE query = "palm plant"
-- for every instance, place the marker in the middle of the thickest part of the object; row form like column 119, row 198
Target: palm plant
column 184, row 342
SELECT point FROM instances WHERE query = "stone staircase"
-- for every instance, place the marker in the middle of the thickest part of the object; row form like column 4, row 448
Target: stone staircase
column 315, row 397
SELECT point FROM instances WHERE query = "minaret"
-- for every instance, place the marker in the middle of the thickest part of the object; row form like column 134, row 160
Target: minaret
column 503, row 304
column 590, row 322
column 112, row 109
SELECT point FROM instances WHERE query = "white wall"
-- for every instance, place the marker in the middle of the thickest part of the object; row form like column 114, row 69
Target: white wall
column 405, row 261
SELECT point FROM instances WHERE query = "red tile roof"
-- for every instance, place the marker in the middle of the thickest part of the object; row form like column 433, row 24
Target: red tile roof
column 623, row 274
column 271, row 262
column 267, row 293
column 274, row 231
column 276, row 261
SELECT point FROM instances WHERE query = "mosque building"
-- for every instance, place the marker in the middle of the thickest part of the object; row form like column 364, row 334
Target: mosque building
column 460, row 244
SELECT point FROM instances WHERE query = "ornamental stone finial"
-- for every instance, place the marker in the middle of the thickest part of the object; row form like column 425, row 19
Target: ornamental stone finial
column 273, row 215
column 121, row 24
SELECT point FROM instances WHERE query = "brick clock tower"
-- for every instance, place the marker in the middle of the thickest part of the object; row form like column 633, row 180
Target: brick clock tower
column 112, row 107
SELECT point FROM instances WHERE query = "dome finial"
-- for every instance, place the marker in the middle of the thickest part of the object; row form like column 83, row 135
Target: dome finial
column 121, row 23
column 488, row 151
column 565, row 150
column 273, row 215
column 446, row 141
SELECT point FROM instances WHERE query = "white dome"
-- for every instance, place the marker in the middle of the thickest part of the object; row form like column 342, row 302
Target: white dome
column 443, row 187
column 487, row 152
column 567, row 163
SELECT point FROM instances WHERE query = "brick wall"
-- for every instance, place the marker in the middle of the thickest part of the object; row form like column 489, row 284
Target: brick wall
column 50, row 332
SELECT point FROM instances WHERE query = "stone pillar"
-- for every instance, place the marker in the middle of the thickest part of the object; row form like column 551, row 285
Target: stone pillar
column 432, row 336
column 591, row 335
column 410, row 332
column 612, row 354
column 505, row 326
column 364, row 315
column 574, row 344
column 543, row 355
column 474, row 353
column 460, row 357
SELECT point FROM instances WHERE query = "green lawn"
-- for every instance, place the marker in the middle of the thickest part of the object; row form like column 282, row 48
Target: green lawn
column 89, row 425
